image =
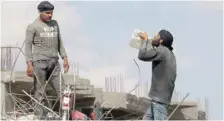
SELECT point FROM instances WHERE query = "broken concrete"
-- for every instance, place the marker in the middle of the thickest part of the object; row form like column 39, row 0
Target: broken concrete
column 187, row 111
column 87, row 96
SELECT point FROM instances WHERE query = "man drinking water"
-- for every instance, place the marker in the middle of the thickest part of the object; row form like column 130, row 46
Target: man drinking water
column 159, row 52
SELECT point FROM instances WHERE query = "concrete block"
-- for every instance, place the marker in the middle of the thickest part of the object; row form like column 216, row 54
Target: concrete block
column 5, row 76
column 68, row 79
column 7, row 104
column 201, row 115
column 98, row 93
column 128, row 102
column 143, row 104
column 82, row 80
column 184, row 112
column 82, row 87
column 111, row 98
column 131, row 99
column 190, row 113
column 83, row 92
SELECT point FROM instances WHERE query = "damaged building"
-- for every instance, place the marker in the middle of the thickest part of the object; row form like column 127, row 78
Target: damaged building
column 14, row 101
column 129, row 107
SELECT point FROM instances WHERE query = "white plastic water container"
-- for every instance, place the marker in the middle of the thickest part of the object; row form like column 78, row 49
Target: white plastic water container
column 136, row 41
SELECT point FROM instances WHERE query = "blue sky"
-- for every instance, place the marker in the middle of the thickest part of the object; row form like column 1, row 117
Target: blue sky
column 197, row 29
column 98, row 34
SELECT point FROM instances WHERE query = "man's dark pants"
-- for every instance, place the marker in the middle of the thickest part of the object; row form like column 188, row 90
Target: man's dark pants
column 45, row 70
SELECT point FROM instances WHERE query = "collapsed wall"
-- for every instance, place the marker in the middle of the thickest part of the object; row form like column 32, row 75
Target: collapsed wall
column 87, row 96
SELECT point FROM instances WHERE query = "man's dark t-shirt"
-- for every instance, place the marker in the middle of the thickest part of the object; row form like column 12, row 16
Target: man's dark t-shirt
column 163, row 71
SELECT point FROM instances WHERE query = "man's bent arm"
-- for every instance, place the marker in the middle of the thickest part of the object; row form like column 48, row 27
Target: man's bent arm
column 149, row 53
column 28, row 43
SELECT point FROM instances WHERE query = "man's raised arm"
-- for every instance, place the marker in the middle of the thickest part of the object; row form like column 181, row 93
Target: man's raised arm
column 149, row 53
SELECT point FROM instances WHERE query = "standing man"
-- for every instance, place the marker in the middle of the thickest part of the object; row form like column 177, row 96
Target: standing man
column 43, row 44
column 159, row 52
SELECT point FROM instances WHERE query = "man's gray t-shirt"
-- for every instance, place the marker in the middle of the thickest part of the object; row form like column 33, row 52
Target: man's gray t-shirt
column 163, row 71
column 43, row 41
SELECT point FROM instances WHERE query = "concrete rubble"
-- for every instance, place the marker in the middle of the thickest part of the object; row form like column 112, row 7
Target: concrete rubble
column 87, row 96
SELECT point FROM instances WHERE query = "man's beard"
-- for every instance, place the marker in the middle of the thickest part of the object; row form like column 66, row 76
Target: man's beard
column 155, row 43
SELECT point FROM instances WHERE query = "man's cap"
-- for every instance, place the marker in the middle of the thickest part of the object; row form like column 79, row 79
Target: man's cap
column 45, row 6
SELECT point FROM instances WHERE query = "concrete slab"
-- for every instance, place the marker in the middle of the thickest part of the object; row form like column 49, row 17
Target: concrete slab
column 7, row 104
column 87, row 95
column 98, row 93
column 128, row 102
column 184, row 113
column 5, row 76
column 186, row 103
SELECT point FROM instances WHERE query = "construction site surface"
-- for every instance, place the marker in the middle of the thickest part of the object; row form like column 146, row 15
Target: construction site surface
column 130, row 107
